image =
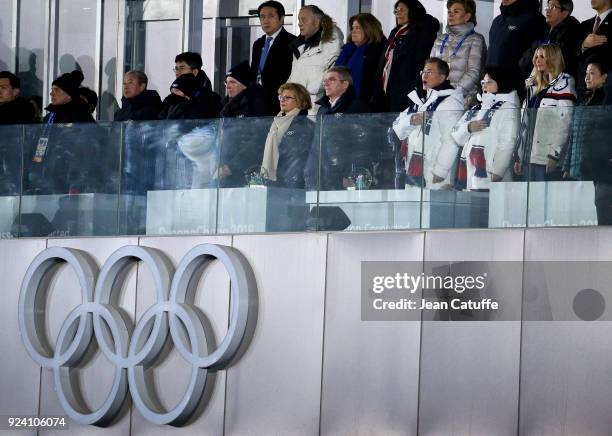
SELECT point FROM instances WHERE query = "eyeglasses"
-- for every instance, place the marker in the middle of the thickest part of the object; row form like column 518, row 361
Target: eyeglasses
column 552, row 7
column 181, row 69
column 428, row 73
column 400, row 10
column 285, row 98
column 484, row 83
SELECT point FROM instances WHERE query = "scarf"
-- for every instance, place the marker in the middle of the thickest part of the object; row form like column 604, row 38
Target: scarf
column 389, row 54
column 279, row 127
column 352, row 57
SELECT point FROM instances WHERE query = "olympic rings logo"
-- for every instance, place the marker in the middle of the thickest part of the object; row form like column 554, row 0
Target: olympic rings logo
column 172, row 315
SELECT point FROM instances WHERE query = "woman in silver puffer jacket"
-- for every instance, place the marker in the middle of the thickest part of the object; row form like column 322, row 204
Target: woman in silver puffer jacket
column 463, row 49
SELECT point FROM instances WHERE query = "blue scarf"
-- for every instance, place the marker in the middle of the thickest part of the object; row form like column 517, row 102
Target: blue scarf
column 351, row 57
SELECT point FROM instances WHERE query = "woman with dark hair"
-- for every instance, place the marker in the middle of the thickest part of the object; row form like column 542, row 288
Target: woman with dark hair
column 405, row 53
column 462, row 48
column 547, row 116
column 289, row 139
column 595, row 79
column 362, row 52
column 488, row 132
column 590, row 152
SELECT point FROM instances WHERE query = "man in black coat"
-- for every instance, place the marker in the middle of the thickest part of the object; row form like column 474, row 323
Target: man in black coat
column 188, row 100
column 13, row 108
column 242, row 140
column 191, row 63
column 141, row 141
column 564, row 30
column 512, row 33
column 346, row 142
column 65, row 157
column 272, row 57
column 138, row 102
column 596, row 34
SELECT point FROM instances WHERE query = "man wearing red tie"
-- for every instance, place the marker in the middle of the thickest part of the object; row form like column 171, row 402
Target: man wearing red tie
column 596, row 39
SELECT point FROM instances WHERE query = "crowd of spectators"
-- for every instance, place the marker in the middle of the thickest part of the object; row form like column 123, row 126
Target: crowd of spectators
column 460, row 123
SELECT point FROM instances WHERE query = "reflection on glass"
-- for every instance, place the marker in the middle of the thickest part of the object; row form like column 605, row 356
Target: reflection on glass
column 11, row 143
column 227, row 176
column 70, row 180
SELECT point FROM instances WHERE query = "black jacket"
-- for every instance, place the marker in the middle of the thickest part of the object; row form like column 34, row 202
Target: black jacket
column 411, row 51
column 18, row 111
column 345, row 142
column 249, row 103
column 145, row 106
column 293, row 152
column 75, row 111
column 277, row 68
column 74, row 160
column 205, row 104
column 603, row 51
column 205, row 82
column 513, row 32
column 567, row 35
column 597, row 153
column 243, row 139
column 348, row 103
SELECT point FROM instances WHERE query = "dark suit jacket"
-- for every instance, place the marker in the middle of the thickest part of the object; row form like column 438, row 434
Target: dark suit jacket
column 277, row 68
column 603, row 52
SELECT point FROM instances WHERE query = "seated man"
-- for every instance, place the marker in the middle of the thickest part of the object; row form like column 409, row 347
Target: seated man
column 428, row 149
column 345, row 142
column 14, row 110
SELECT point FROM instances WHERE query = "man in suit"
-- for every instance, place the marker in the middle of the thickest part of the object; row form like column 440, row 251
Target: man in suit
column 272, row 57
column 596, row 39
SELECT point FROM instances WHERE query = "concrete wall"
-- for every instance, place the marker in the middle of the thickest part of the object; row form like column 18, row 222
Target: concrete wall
column 313, row 367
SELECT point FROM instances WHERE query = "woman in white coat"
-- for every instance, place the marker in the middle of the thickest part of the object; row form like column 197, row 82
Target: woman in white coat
column 314, row 51
column 547, row 116
column 425, row 129
column 488, row 133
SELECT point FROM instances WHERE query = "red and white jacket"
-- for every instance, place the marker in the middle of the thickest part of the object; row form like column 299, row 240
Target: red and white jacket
column 553, row 119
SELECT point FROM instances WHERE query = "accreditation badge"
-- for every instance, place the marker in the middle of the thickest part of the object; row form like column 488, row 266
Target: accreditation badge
column 41, row 150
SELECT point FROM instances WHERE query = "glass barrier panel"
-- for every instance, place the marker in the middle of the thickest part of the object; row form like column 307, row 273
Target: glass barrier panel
column 261, row 182
column 568, row 168
column 70, row 180
column 467, row 159
column 169, row 174
column 11, row 146
column 363, row 173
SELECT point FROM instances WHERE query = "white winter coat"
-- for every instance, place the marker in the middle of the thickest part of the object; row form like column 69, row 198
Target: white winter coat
column 438, row 147
column 309, row 69
column 553, row 119
column 498, row 139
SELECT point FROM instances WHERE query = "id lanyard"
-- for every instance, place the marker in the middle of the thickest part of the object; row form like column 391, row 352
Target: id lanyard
column 43, row 141
column 456, row 50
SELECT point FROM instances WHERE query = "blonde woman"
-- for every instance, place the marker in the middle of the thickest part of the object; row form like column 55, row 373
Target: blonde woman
column 289, row 138
column 547, row 116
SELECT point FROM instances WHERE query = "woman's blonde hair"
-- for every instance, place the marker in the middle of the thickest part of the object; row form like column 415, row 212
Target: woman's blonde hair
column 372, row 29
column 327, row 24
column 554, row 64
column 302, row 97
